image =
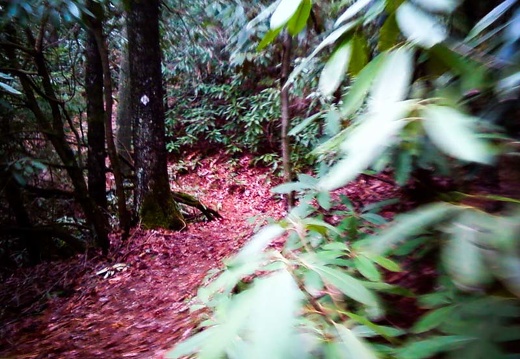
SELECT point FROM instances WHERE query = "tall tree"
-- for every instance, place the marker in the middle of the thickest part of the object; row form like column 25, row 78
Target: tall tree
column 95, row 118
column 153, row 198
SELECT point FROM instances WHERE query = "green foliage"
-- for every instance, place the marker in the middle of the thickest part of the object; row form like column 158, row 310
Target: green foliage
column 414, row 105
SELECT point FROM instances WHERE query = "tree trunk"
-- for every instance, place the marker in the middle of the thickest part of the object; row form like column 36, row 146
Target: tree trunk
column 153, row 198
column 286, row 116
column 53, row 129
column 123, row 121
column 97, row 30
column 96, row 122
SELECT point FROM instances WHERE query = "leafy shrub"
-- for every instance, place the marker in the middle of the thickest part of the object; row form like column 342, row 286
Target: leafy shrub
column 327, row 293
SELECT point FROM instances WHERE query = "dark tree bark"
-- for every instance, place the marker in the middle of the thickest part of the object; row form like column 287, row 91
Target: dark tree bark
column 286, row 115
column 95, row 121
column 153, row 198
column 123, row 121
column 96, row 27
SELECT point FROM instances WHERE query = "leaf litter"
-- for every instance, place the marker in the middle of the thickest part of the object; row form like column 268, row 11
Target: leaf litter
column 135, row 303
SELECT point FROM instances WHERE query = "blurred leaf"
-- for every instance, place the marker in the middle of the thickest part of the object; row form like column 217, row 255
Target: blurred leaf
column 332, row 122
column 299, row 20
column 273, row 316
column 429, row 347
column 365, row 144
column 373, row 218
column 233, row 317
column 490, row 18
column 335, row 69
column 420, row 28
column 326, row 42
column 302, row 125
column 452, row 131
column 432, row 319
column 410, row 224
column 352, row 11
column 392, row 83
column 259, row 242
column 388, row 34
column 284, row 12
column 324, row 200
column 9, row 89
column 403, row 167
column 462, row 256
column 74, row 10
column 367, row 268
column 387, row 332
column 191, row 345
column 347, row 284
column 360, row 53
column 290, row 187
column 355, row 347
column 445, row 6
column 355, row 95
column 386, row 263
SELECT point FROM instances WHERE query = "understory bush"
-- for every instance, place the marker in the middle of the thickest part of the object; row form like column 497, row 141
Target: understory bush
column 350, row 282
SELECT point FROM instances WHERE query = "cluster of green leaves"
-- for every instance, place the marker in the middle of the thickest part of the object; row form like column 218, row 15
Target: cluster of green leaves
column 408, row 103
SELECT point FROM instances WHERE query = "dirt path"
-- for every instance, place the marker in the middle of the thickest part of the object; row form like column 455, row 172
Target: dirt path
column 140, row 309
column 138, row 306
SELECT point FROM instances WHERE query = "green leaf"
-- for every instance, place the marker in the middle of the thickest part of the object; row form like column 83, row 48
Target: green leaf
column 9, row 89
column 302, row 125
column 336, row 34
column 335, row 69
column 354, row 346
column 367, row 268
column 403, row 167
column 387, row 332
column 360, row 53
column 352, row 11
column 410, row 224
column 386, row 263
column 420, row 28
column 393, row 81
column 373, row 218
column 284, row 12
column 347, row 284
column 324, row 200
column 490, row 18
column 268, row 38
column 429, row 347
column 432, row 320
column 388, row 34
column 452, row 132
column 299, row 20
column 354, row 97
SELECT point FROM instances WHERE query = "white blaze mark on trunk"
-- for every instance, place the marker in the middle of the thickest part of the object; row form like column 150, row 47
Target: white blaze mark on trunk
column 145, row 100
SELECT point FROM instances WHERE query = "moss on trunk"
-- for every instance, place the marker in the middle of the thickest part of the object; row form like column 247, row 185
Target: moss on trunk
column 161, row 212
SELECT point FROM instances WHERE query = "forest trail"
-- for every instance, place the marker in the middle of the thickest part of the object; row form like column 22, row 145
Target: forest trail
column 136, row 303
column 139, row 306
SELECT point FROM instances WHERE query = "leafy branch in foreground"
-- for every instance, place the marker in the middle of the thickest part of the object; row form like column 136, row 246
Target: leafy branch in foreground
column 331, row 289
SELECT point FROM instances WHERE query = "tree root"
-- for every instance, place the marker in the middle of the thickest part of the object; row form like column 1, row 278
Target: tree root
column 189, row 200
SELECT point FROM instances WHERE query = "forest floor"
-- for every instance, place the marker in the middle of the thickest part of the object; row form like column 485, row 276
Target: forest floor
column 135, row 303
